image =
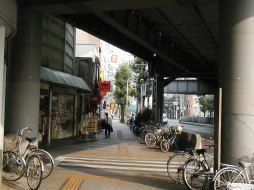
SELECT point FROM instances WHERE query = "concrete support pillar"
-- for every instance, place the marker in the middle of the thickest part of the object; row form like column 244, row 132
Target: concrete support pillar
column 236, row 78
column 23, row 84
column 217, row 128
column 2, row 96
column 158, row 97
column 8, row 18
column 50, row 118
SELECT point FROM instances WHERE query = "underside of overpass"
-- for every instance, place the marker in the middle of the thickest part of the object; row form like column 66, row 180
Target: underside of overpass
column 179, row 38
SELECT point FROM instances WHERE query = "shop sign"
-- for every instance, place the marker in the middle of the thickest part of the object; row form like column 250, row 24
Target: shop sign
column 113, row 58
column 112, row 106
column 104, row 93
column 95, row 99
column 143, row 89
column 104, row 86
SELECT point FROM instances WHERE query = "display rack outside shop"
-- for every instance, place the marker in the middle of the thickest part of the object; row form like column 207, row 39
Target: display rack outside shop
column 88, row 128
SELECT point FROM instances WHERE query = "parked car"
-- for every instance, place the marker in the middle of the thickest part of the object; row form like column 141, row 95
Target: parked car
column 164, row 118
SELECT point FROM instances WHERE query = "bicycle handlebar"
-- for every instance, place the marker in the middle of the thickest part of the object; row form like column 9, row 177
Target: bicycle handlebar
column 25, row 129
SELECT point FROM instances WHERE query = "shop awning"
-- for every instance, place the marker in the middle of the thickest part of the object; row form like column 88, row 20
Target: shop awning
column 64, row 79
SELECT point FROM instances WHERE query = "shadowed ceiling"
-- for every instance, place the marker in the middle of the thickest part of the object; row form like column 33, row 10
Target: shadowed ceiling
column 180, row 36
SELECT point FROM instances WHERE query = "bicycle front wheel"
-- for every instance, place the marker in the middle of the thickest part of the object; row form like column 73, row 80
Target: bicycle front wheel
column 195, row 175
column 175, row 166
column 141, row 137
column 226, row 176
column 47, row 160
column 34, row 171
column 150, row 139
column 164, row 145
column 13, row 169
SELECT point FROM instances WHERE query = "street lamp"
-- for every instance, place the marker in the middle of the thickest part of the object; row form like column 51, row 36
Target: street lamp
column 127, row 85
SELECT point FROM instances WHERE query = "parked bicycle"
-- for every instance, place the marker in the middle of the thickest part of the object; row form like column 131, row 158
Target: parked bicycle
column 146, row 128
column 155, row 137
column 233, row 177
column 45, row 157
column 173, row 141
column 175, row 165
column 15, row 164
column 198, row 171
column 15, row 161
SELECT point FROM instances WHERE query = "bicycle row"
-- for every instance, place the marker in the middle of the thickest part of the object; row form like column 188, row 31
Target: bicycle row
column 33, row 163
column 194, row 168
column 152, row 134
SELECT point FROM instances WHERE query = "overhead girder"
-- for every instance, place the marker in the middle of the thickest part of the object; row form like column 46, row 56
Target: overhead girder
column 134, row 32
column 159, row 43
column 95, row 26
column 125, row 25
column 188, row 87
column 136, row 27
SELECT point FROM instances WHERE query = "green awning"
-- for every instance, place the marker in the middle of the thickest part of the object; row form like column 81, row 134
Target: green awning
column 64, row 79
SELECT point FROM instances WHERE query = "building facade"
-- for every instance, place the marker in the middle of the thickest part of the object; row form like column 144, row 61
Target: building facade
column 63, row 88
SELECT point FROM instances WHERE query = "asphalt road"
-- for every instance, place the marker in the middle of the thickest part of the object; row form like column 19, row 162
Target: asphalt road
column 205, row 131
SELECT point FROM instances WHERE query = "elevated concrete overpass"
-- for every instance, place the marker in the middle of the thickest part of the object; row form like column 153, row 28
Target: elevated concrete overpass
column 178, row 37
column 211, row 40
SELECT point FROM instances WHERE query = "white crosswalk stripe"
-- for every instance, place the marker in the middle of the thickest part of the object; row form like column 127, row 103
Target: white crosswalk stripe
column 113, row 163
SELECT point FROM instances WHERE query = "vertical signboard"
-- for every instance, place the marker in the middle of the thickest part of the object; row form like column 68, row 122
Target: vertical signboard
column 143, row 90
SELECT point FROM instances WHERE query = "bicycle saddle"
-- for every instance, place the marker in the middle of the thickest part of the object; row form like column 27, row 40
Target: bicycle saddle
column 31, row 140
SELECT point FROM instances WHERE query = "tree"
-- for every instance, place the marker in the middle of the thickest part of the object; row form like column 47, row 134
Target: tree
column 123, row 73
column 203, row 104
column 210, row 104
column 140, row 67
column 206, row 104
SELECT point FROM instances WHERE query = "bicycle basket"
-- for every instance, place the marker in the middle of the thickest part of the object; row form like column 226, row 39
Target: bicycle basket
column 10, row 142
column 165, row 129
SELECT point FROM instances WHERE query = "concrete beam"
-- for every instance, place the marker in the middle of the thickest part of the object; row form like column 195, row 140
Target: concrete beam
column 188, row 87
column 8, row 16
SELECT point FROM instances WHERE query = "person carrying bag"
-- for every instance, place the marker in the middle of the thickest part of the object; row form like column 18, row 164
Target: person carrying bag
column 108, row 125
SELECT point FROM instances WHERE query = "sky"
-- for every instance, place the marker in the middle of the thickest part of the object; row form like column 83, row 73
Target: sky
column 123, row 56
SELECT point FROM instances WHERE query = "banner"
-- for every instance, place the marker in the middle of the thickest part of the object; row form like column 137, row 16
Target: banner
column 104, row 86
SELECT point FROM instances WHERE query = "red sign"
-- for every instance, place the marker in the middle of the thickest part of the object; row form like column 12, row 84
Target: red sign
column 104, row 86
column 95, row 99
column 104, row 93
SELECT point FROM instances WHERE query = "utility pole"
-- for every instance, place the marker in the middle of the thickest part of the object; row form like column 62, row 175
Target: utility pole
column 126, row 106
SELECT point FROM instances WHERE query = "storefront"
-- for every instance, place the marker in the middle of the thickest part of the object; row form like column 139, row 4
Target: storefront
column 62, row 115
column 60, row 105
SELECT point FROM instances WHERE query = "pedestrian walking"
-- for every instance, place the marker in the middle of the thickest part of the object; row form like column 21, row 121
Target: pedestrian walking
column 108, row 125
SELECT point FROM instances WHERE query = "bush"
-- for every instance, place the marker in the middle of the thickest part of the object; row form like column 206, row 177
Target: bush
column 145, row 116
